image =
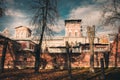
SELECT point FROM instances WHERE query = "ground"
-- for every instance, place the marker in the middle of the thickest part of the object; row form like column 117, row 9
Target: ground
column 77, row 74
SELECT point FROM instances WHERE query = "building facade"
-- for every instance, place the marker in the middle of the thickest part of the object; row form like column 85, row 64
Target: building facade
column 74, row 36
column 54, row 50
column 22, row 32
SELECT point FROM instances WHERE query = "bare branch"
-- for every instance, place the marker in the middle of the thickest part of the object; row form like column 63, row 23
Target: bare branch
column 44, row 17
column 112, row 7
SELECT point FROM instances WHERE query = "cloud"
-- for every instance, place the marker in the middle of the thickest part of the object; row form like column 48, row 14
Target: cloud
column 89, row 15
column 99, row 1
column 18, row 18
column 10, row 1
column 14, row 13
column 19, row 22
column 59, row 26
column 101, row 33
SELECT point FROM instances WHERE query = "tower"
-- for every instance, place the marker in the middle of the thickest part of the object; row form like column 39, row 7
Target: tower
column 73, row 28
column 22, row 32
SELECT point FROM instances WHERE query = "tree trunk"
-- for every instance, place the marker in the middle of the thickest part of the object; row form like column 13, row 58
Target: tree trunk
column 69, row 59
column 3, row 55
column 116, row 51
column 39, row 46
column 91, row 35
column 37, row 58
column 91, row 56
column 97, row 61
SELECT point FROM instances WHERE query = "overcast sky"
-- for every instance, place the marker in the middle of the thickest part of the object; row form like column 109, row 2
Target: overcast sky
column 18, row 13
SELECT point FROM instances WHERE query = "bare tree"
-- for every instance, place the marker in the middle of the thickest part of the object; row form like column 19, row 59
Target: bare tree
column 5, row 43
column 91, row 36
column 111, row 15
column 44, row 18
column 111, row 11
column 69, row 53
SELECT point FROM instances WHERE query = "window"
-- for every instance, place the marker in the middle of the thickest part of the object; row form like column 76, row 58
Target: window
column 69, row 34
column 75, row 34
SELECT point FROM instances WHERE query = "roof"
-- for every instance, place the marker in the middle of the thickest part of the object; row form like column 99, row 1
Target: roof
column 25, row 27
column 26, row 40
column 77, row 46
column 73, row 21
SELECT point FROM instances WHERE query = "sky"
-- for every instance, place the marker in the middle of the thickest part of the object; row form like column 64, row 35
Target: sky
column 18, row 13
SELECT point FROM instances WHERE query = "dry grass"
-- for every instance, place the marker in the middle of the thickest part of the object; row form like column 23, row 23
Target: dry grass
column 77, row 74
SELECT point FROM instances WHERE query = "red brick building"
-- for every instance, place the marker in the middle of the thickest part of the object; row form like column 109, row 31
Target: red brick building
column 56, row 49
column 116, row 43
